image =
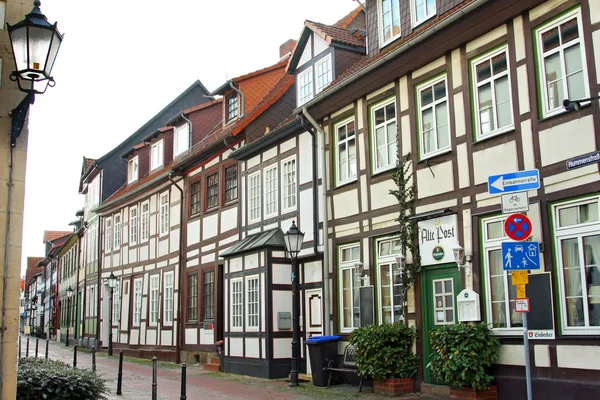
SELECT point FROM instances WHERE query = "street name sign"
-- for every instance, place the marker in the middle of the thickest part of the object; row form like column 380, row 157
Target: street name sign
column 520, row 255
column 518, row 227
column 514, row 182
column 515, row 202
column 522, row 305
column 584, row 160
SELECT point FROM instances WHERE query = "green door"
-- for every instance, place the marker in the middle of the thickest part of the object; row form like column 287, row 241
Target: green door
column 440, row 286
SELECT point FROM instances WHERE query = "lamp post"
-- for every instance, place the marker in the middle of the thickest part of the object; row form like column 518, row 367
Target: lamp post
column 69, row 295
column 293, row 243
column 112, row 282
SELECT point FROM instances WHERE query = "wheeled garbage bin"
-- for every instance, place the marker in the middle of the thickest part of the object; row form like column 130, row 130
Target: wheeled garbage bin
column 321, row 349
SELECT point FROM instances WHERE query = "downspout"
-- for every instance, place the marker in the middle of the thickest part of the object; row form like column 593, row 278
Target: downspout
column 323, row 206
column 99, row 280
column 315, row 187
column 231, row 85
column 181, row 275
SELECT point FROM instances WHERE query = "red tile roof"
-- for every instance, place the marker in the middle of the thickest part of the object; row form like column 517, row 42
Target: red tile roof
column 280, row 64
column 347, row 20
column 202, row 106
column 53, row 235
column 336, row 34
column 32, row 268
column 32, row 262
column 88, row 163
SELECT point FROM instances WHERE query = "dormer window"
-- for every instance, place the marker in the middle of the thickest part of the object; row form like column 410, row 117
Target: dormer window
column 422, row 10
column 323, row 71
column 305, row 86
column 181, row 141
column 232, row 107
column 389, row 20
column 132, row 170
column 156, row 155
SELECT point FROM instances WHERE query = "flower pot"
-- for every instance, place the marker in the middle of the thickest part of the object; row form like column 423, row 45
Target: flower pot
column 394, row 386
column 469, row 393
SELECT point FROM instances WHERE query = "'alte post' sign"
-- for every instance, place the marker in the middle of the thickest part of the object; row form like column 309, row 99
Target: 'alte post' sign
column 437, row 237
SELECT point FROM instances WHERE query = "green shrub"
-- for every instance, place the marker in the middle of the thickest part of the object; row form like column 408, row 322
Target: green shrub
column 461, row 354
column 54, row 380
column 384, row 351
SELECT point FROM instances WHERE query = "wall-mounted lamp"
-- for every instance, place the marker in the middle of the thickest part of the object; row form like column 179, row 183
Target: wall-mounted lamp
column 460, row 258
column 359, row 270
column 400, row 263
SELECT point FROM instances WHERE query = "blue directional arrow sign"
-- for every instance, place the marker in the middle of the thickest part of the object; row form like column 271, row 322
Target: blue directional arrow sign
column 514, row 182
column 520, row 255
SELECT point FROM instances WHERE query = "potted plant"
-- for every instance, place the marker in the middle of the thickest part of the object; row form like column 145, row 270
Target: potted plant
column 384, row 354
column 461, row 356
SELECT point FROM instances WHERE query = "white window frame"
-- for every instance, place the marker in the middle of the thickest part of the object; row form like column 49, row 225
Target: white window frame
column 388, row 261
column 252, row 298
column 420, row 88
column 117, row 231
column 163, row 219
column 117, row 303
column 374, row 145
column 541, row 71
column 382, row 41
column 133, row 170
column 133, row 225
column 290, row 188
column 137, row 301
column 305, row 81
column 168, row 306
column 343, row 266
column 426, row 17
column 145, row 221
column 254, row 197
column 576, row 231
column 108, row 236
column 338, row 143
column 156, row 160
column 324, row 76
column 237, row 304
column 154, row 299
column 180, row 148
column 270, row 195
column 475, row 93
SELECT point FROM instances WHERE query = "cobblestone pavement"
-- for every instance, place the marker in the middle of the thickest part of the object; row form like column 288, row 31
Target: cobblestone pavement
column 137, row 380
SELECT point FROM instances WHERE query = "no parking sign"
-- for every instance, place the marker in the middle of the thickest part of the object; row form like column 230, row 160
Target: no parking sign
column 518, row 227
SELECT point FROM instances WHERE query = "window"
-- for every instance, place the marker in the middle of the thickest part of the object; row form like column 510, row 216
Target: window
column 145, row 231
column 154, row 287
column 137, row 302
column 389, row 20
column 499, row 289
column 491, row 93
column 208, row 295
column 384, row 135
column 388, row 275
column 181, row 141
column 349, row 298
column 164, row 213
column 132, row 170
column 434, row 130
column 561, row 62
column 108, row 239
column 346, row 151
column 195, row 198
column 116, row 303
column 232, row 107
column 252, row 303
column 192, row 297
column 324, row 76
column 421, row 10
column 156, row 155
column 289, row 183
column 212, row 190
column 168, row 298
column 117, row 234
column 133, row 225
column 271, row 191
column 305, row 86
column 236, row 303
column 577, row 244
column 231, row 183
column 254, row 190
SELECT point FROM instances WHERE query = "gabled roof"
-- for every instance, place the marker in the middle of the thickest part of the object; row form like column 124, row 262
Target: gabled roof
column 51, row 236
column 349, row 18
column 271, row 238
column 225, row 87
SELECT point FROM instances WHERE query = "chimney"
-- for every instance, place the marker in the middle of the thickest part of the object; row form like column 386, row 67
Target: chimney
column 287, row 48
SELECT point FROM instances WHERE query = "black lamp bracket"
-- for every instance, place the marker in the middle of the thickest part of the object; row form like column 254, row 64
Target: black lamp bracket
column 18, row 116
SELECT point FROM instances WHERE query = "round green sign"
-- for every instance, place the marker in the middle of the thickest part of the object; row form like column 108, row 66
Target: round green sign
column 438, row 253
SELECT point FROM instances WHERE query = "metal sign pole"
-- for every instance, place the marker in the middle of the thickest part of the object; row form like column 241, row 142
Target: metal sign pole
column 527, row 364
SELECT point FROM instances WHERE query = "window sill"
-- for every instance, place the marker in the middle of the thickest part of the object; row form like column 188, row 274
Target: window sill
column 585, row 331
column 383, row 170
column 390, row 41
column 345, row 183
column 491, row 135
column 568, row 115
column 431, row 156
column 415, row 24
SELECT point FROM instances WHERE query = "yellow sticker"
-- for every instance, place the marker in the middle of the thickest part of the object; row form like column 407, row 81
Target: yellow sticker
column 36, row 65
column 520, row 277
column 521, row 293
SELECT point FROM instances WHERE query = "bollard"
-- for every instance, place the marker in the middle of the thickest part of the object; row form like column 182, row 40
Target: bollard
column 154, row 391
column 37, row 340
column 183, row 378
column 20, row 349
column 94, row 359
column 27, row 349
column 74, row 356
column 120, row 374
column 47, row 341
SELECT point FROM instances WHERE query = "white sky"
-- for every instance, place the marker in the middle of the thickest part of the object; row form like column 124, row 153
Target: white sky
column 121, row 62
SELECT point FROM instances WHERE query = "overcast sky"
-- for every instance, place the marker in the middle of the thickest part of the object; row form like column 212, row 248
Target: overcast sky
column 121, row 62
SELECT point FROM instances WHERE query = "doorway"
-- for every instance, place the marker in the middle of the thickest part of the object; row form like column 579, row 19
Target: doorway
column 313, row 321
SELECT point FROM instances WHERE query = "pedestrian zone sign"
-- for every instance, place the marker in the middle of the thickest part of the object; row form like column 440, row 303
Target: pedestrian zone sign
column 520, row 255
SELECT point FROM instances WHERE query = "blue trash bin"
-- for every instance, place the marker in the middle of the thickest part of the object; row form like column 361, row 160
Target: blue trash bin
column 322, row 349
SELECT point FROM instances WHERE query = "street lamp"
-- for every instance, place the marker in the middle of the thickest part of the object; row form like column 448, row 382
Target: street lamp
column 112, row 282
column 293, row 243
column 576, row 105
column 69, row 295
column 400, row 263
column 459, row 258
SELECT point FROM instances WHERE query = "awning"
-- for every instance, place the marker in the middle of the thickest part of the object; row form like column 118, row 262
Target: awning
column 270, row 238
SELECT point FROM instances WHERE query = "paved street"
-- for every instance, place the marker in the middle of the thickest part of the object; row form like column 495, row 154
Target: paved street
column 137, row 380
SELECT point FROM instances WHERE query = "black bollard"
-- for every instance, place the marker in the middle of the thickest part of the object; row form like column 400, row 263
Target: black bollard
column 37, row 340
column 120, row 374
column 93, row 359
column 47, row 341
column 154, row 389
column 183, row 379
column 74, row 356
column 19, row 349
column 27, row 349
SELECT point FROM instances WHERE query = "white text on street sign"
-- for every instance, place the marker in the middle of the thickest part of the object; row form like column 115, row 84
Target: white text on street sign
column 514, row 182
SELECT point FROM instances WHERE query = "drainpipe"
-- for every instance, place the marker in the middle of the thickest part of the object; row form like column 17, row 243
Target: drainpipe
column 241, row 96
column 181, row 275
column 323, row 206
column 315, row 187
